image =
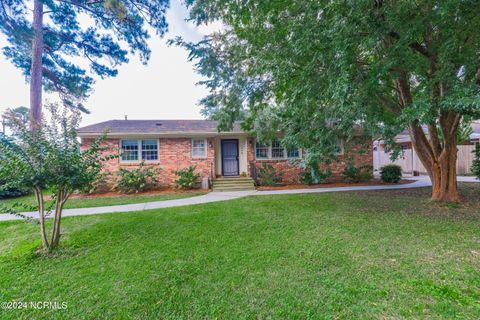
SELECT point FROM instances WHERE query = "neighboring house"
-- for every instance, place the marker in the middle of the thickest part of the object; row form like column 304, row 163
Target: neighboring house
column 176, row 144
column 409, row 160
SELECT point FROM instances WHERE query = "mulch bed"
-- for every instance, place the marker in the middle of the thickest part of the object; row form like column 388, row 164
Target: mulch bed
column 331, row 185
column 114, row 194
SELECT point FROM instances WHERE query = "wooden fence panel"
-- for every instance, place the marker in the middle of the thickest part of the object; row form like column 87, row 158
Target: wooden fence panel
column 410, row 161
column 465, row 159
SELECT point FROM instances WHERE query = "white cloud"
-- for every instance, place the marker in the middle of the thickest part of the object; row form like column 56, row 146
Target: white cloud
column 206, row 29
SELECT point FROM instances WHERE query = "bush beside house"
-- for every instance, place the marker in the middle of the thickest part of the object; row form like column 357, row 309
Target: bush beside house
column 353, row 174
column 187, row 178
column 138, row 179
column 391, row 173
column 268, row 176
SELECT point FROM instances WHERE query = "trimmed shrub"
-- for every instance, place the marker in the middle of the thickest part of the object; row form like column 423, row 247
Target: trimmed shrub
column 267, row 176
column 137, row 180
column 315, row 176
column 11, row 192
column 187, row 178
column 391, row 173
column 476, row 161
column 353, row 174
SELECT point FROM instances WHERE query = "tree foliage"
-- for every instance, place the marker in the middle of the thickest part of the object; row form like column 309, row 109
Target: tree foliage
column 103, row 32
column 20, row 112
column 51, row 160
column 317, row 69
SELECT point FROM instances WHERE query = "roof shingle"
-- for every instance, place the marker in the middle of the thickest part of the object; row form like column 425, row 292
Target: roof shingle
column 154, row 127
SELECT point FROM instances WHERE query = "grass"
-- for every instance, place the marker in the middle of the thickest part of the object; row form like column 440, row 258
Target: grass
column 348, row 255
column 100, row 202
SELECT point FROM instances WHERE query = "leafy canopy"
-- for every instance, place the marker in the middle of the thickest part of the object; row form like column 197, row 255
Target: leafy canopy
column 316, row 69
column 49, row 159
column 102, row 31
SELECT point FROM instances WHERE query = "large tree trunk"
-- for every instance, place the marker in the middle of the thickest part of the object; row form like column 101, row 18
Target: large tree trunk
column 439, row 157
column 36, row 66
column 444, row 177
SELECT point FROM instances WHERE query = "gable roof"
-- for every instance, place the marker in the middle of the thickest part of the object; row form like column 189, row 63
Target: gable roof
column 167, row 127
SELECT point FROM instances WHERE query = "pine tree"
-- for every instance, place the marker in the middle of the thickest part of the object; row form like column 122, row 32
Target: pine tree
column 44, row 43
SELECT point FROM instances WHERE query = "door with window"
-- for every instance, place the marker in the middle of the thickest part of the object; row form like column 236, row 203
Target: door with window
column 230, row 162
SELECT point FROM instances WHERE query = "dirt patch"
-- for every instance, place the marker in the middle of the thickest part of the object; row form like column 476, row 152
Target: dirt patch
column 113, row 194
column 331, row 185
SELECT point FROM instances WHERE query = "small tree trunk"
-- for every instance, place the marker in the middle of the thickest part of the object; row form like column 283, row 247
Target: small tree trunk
column 36, row 65
column 61, row 199
column 41, row 216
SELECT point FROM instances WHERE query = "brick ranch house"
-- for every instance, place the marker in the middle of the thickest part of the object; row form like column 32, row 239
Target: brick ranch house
column 177, row 144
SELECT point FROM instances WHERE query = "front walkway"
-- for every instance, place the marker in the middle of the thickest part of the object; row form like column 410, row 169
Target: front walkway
column 420, row 182
column 213, row 197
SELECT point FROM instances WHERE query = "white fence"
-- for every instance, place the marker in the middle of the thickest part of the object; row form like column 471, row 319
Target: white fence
column 410, row 162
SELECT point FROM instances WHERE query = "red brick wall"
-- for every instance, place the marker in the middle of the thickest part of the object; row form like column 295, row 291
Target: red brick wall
column 360, row 152
column 174, row 154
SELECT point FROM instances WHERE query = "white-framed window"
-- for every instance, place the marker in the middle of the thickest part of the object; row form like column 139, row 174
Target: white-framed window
column 278, row 152
column 199, row 148
column 261, row 151
column 129, row 150
column 275, row 151
column 139, row 150
column 150, row 150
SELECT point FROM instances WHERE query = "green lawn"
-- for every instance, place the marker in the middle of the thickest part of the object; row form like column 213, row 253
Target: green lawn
column 100, row 202
column 349, row 255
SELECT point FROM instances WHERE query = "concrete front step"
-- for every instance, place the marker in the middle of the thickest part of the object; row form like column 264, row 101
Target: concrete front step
column 223, row 179
column 226, row 183
column 238, row 188
column 233, row 184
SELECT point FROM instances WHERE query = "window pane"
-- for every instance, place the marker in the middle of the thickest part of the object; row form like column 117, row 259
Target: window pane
column 199, row 148
column 129, row 150
column 199, row 143
column 277, row 149
column 198, row 152
column 149, row 150
column 293, row 153
column 261, row 151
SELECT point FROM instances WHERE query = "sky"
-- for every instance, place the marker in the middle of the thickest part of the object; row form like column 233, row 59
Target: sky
column 163, row 89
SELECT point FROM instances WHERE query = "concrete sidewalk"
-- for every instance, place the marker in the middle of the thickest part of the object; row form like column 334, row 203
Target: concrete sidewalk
column 213, row 197
column 427, row 178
